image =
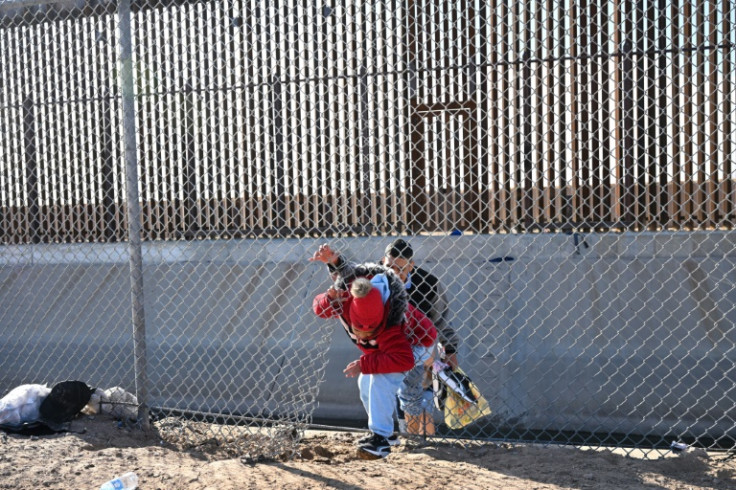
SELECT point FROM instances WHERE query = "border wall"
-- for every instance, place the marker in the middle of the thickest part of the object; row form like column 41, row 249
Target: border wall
column 629, row 333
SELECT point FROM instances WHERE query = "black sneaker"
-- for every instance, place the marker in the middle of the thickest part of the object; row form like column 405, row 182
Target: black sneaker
column 376, row 447
column 393, row 439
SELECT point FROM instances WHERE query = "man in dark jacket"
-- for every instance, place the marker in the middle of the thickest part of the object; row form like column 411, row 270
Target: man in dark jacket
column 425, row 293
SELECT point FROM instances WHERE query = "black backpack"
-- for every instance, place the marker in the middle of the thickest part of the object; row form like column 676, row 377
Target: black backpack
column 64, row 402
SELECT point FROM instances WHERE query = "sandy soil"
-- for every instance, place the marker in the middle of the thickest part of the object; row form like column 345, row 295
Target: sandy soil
column 100, row 448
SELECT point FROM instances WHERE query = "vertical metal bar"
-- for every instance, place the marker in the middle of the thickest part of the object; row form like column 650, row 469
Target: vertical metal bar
column 88, row 231
column 278, row 186
column 56, row 209
column 75, row 94
column 177, row 131
column 676, row 201
column 134, row 213
column 444, row 63
column 6, row 235
column 688, row 206
column 107, row 167
column 593, row 182
column 663, row 120
column 191, row 210
column 322, row 155
column 492, row 109
column 575, row 102
column 417, row 180
column 67, row 171
column 365, row 179
column 517, row 106
column 393, row 117
column 232, row 181
column 219, row 90
column 25, row 124
column 411, row 82
column 714, row 163
column 207, row 132
column 277, row 151
column 382, row 114
column 164, row 60
column 157, row 147
column 345, row 204
column 31, row 174
column 438, row 135
column 526, row 151
column 625, row 138
column 485, row 94
column 303, row 179
column 371, row 219
column 728, row 167
column 285, row 66
column 473, row 176
column 203, row 129
column 504, row 170
column 250, row 88
column 148, row 140
column 650, row 212
column 527, row 129
column 550, row 186
column 291, row 212
column 561, row 197
column 35, row 60
column 539, row 88
column 606, row 196
column 92, row 231
column 642, row 118
column 307, row 140
column 701, row 161
column 330, row 153
column 581, row 91
column 432, row 155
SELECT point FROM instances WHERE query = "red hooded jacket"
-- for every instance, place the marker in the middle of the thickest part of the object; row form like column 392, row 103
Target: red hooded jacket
column 388, row 352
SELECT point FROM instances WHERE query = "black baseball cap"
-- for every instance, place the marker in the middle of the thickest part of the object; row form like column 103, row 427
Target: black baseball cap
column 399, row 249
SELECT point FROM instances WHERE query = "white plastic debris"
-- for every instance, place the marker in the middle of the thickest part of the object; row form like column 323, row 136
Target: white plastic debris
column 21, row 404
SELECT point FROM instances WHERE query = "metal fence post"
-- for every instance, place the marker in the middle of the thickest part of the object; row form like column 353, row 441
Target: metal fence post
column 134, row 212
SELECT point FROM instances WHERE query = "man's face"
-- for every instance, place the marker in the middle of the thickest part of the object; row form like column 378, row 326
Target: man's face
column 402, row 267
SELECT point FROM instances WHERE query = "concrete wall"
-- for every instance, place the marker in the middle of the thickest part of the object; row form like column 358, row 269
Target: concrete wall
column 616, row 333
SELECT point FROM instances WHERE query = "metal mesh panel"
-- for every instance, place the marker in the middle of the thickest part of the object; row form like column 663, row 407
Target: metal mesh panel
column 564, row 169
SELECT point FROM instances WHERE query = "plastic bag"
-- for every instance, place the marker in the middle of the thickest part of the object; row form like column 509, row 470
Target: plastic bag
column 21, row 405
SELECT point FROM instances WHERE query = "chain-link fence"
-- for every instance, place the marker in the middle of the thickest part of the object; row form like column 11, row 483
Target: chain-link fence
column 565, row 170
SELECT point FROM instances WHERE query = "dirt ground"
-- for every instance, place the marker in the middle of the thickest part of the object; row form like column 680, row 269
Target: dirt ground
column 99, row 448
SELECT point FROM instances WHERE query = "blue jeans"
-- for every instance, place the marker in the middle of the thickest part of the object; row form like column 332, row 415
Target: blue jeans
column 378, row 392
column 411, row 393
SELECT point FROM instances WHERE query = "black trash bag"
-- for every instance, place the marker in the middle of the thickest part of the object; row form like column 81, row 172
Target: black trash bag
column 64, row 402
column 36, row 428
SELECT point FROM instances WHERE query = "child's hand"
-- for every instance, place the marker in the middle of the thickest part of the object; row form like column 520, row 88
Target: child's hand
column 337, row 295
column 352, row 370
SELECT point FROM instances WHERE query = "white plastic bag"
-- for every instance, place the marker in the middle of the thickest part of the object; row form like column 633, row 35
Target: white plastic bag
column 21, row 404
column 113, row 401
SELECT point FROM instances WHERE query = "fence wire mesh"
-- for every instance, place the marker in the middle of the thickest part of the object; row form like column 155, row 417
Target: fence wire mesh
column 564, row 169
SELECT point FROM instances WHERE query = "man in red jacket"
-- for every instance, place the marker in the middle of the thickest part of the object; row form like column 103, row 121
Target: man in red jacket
column 386, row 354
